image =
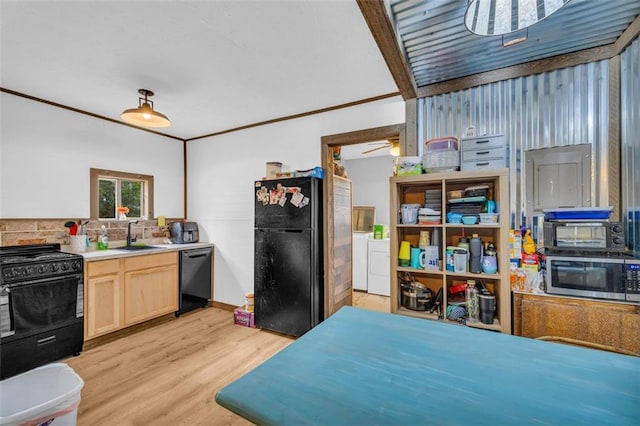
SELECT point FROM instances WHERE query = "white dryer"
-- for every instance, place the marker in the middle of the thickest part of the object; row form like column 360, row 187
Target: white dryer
column 379, row 278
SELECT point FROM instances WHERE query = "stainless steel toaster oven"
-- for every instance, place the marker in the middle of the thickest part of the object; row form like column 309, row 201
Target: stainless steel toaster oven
column 584, row 236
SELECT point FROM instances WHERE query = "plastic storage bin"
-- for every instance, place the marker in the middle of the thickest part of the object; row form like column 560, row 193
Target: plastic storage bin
column 578, row 213
column 441, row 155
column 45, row 395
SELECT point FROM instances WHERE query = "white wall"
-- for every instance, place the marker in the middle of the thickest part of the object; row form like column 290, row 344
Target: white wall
column 370, row 184
column 46, row 153
column 222, row 171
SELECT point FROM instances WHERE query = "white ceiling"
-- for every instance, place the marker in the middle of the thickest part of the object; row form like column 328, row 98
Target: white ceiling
column 213, row 65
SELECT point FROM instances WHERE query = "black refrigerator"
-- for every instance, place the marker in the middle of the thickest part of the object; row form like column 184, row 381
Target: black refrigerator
column 288, row 267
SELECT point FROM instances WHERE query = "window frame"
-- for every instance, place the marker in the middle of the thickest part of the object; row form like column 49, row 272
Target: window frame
column 94, row 178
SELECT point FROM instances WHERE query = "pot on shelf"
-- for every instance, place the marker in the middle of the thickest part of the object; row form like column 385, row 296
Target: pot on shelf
column 417, row 297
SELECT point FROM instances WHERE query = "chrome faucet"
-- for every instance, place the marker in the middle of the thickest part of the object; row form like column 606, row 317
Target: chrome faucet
column 129, row 239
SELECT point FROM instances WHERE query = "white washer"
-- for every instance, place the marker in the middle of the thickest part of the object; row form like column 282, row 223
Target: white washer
column 359, row 259
column 379, row 279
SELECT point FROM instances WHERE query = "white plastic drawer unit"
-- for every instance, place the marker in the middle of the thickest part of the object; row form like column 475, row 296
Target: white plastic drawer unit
column 483, row 142
column 496, row 163
column 483, row 154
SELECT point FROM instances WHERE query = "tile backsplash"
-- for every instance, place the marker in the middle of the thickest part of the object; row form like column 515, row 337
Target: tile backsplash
column 41, row 231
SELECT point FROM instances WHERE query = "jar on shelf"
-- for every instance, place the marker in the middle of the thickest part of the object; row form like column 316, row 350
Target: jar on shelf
column 425, row 240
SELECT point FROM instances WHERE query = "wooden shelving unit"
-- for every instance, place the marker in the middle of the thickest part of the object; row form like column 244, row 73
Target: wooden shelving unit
column 411, row 189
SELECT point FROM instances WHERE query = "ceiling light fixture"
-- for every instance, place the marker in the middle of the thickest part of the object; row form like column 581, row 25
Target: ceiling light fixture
column 145, row 115
column 498, row 17
column 395, row 149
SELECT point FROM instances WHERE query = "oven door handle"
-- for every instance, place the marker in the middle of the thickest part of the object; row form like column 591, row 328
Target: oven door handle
column 46, row 340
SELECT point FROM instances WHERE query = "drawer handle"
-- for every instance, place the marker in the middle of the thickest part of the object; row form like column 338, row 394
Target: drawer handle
column 46, row 340
column 485, row 141
column 486, row 163
column 482, row 152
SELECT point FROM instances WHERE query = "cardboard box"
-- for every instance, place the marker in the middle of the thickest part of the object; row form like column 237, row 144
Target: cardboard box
column 242, row 317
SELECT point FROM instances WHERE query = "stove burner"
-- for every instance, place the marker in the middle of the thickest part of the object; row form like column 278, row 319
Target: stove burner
column 22, row 263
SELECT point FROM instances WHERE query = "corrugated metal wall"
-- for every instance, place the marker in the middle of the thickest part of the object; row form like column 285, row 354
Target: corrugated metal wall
column 558, row 108
column 630, row 141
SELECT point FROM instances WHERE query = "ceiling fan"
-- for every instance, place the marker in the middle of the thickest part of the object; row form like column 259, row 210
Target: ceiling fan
column 393, row 145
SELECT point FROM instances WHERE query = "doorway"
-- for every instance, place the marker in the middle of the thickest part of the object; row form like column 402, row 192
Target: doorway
column 334, row 268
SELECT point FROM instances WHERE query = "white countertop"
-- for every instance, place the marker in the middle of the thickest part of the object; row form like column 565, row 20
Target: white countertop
column 113, row 253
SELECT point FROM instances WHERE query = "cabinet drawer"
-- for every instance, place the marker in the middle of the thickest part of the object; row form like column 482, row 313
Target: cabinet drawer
column 103, row 267
column 483, row 164
column 150, row 261
column 483, row 154
column 483, row 142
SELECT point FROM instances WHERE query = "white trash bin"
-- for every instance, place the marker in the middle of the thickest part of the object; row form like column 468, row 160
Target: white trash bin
column 47, row 395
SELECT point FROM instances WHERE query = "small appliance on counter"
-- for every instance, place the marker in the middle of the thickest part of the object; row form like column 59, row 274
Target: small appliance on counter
column 582, row 229
column 184, row 232
column 613, row 276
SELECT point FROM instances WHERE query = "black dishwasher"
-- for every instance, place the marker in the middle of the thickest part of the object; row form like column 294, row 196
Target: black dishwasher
column 194, row 288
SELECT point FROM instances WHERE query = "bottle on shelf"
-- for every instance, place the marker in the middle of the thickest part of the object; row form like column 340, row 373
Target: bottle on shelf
column 490, row 259
column 475, row 254
column 471, row 299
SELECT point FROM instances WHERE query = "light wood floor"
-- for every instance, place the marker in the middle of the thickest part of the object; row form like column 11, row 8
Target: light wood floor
column 169, row 374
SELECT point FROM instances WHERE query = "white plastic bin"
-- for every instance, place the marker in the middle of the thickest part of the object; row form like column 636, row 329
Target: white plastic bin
column 40, row 395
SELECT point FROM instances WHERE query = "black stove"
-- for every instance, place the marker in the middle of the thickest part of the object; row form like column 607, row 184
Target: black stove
column 41, row 306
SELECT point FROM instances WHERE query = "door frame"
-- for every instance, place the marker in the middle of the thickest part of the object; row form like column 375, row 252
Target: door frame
column 327, row 143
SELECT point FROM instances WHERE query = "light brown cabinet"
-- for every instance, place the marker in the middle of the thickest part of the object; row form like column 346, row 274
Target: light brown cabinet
column 412, row 190
column 612, row 324
column 150, row 287
column 126, row 291
column 103, row 295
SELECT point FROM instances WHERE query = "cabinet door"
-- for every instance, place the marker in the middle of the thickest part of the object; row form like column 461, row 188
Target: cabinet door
column 612, row 325
column 103, row 305
column 149, row 293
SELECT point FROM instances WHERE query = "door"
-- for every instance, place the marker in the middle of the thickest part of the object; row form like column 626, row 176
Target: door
column 339, row 259
column 558, row 177
column 287, row 281
column 103, row 304
column 149, row 293
column 359, row 260
column 287, row 203
column 333, row 300
column 195, row 273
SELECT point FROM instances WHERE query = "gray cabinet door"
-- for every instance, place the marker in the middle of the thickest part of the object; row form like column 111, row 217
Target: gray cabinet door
column 558, row 177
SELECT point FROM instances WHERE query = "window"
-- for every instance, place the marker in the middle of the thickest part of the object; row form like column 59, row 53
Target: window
column 111, row 190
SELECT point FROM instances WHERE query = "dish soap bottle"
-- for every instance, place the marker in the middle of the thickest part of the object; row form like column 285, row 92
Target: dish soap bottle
column 103, row 240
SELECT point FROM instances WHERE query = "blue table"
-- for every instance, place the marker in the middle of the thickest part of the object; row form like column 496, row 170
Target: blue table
column 362, row 367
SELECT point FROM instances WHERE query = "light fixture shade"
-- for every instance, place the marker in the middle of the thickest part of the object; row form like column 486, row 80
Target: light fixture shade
column 145, row 115
column 497, row 17
column 395, row 149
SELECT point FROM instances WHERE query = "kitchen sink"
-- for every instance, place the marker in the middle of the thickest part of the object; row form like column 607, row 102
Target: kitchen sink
column 137, row 247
